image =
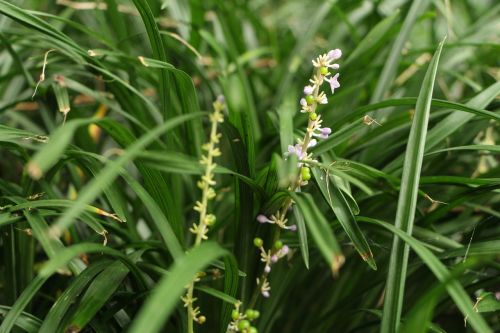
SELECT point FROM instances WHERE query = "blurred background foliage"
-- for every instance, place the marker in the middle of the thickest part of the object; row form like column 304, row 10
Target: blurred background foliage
column 131, row 78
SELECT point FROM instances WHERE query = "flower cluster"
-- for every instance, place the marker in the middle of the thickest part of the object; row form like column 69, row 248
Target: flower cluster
column 313, row 96
column 206, row 184
column 241, row 322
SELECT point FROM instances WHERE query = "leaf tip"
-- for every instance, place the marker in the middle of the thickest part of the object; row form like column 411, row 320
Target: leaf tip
column 368, row 258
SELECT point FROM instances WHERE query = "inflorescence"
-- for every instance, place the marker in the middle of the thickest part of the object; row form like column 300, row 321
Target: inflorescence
column 313, row 96
column 206, row 220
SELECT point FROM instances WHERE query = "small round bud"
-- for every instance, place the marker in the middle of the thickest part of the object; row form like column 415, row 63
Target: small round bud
column 235, row 314
column 278, row 244
column 305, row 173
column 258, row 242
column 249, row 314
column 210, row 219
column 243, row 325
column 309, row 99
column 323, row 70
column 253, row 330
column 256, row 314
column 313, row 116
column 202, row 319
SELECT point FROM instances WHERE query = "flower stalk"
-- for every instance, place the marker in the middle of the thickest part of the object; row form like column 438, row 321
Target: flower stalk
column 313, row 97
column 206, row 219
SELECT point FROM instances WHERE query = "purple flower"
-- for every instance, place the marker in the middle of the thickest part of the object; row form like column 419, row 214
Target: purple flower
column 263, row 219
column 267, row 269
column 312, row 143
column 334, row 83
column 325, row 131
column 266, row 294
column 284, row 250
column 297, row 150
column 308, row 90
column 274, row 258
column 303, row 102
column 292, row 227
column 334, row 54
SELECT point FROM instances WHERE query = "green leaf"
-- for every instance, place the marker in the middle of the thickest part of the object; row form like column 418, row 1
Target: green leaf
column 405, row 215
column 54, row 318
column 320, row 231
column 158, row 51
column 301, row 229
column 453, row 286
column 337, row 202
column 109, row 173
column 230, row 290
column 22, row 301
column 26, row 321
column 385, row 79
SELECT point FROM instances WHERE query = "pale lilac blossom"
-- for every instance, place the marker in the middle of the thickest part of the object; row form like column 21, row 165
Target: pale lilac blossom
column 333, row 81
column 308, row 90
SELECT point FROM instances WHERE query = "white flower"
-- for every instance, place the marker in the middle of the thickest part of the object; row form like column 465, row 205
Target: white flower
column 333, row 81
column 308, row 90
column 334, row 54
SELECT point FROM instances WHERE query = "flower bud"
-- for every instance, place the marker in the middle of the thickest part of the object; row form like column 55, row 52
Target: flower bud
column 258, row 242
column 313, row 116
column 323, row 70
column 278, row 244
column 308, row 90
column 210, row 219
column 243, row 325
column 309, row 99
column 305, row 173
column 235, row 314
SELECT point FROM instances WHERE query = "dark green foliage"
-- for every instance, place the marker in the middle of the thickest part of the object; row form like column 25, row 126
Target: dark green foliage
column 398, row 230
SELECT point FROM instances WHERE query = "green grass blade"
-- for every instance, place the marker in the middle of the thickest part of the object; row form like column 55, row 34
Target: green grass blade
column 109, row 173
column 25, row 321
column 385, row 79
column 302, row 231
column 320, row 231
column 22, row 301
column 158, row 51
column 454, row 288
column 54, row 318
column 394, row 294
column 337, row 202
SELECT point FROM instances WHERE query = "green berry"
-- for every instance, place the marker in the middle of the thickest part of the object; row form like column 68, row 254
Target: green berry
column 253, row 330
column 323, row 70
column 309, row 99
column 235, row 314
column 278, row 244
column 313, row 116
column 305, row 173
column 252, row 314
column 256, row 314
column 258, row 242
column 243, row 325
